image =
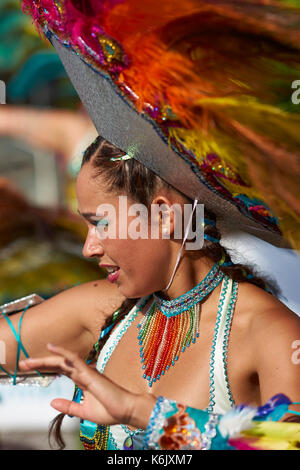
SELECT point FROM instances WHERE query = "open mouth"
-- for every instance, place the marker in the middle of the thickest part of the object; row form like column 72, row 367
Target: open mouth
column 113, row 274
column 112, row 270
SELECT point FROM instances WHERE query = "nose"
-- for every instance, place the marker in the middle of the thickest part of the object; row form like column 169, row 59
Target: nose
column 92, row 246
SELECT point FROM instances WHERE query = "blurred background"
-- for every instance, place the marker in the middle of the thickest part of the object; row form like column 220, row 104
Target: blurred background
column 43, row 132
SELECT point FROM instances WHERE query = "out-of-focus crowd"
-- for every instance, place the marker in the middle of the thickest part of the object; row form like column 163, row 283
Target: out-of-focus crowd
column 43, row 133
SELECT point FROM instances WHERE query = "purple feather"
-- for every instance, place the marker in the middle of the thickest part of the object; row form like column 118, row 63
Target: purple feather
column 273, row 403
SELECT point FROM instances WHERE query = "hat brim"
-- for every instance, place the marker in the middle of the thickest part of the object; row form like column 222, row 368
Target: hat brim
column 116, row 119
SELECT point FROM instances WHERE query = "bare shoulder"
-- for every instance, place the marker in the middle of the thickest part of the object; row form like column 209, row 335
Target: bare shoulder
column 262, row 309
column 264, row 320
column 271, row 339
column 99, row 299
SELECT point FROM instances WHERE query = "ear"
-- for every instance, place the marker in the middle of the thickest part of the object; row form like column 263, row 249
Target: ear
column 164, row 214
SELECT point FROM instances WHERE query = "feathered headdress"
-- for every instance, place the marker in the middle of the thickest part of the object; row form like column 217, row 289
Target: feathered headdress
column 201, row 92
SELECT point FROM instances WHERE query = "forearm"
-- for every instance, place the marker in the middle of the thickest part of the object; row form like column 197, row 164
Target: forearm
column 142, row 409
column 56, row 320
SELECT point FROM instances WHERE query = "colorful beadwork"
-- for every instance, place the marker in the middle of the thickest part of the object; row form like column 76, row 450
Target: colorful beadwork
column 128, row 442
column 92, row 440
column 180, row 432
column 97, row 441
column 169, row 327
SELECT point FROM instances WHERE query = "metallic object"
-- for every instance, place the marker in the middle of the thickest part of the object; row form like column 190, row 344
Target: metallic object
column 30, row 379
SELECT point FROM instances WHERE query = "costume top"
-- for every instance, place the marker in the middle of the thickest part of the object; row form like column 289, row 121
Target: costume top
column 114, row 437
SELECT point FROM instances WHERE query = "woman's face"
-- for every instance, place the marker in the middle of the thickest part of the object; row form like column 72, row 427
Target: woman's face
column 144, row 264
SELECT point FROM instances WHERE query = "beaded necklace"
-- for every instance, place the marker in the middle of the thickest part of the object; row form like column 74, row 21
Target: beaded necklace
column 170, row 326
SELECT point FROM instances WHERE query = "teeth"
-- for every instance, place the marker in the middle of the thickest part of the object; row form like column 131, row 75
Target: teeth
column 112, row 270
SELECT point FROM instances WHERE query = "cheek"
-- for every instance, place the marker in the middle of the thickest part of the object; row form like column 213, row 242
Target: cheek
column 145, row 267
column 148, row 259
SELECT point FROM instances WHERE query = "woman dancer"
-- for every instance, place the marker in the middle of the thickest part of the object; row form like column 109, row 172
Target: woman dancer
column 176, row 92
column 217, row 370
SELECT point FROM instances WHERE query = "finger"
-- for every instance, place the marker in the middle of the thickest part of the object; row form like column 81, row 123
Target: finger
column 82, row 373
column 68, row 407
column 31, row 363
column 52, row 363
column 73, row 358
column 41, row 362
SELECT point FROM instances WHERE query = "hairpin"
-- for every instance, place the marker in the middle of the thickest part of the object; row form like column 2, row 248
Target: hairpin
column 124, row 157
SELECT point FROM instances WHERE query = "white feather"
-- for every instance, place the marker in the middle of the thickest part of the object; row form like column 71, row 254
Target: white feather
column 235, row 421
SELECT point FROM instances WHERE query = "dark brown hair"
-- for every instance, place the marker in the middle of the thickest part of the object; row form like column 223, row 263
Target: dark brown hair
column 140, row 184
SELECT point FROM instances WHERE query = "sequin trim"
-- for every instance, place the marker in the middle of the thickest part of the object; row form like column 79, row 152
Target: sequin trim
column 158, row 416
column 210, row 431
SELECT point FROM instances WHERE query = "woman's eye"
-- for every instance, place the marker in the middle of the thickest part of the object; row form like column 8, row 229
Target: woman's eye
column 102, row 224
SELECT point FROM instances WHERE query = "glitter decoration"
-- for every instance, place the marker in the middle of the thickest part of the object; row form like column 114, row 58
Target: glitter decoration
column 210, row 431
column 162, row 408
column 29, row 380
column 180, row 432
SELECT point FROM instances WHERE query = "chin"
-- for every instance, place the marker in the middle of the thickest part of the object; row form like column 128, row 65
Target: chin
column 131, row 293
column 127, row 293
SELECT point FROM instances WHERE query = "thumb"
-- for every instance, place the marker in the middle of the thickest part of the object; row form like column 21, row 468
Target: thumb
column 68, row 407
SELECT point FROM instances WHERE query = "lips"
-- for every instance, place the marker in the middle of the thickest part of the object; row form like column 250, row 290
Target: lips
column 113, row 271
column 112, row 277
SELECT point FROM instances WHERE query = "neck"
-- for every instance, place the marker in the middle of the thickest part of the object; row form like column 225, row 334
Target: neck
column 188, row 275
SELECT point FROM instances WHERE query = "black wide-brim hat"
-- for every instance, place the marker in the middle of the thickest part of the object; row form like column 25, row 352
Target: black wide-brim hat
column 141, row 87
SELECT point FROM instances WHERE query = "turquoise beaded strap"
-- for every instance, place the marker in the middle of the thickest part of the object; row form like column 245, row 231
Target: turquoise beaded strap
column 106, row 330
column 6, row 372
column 211, row 239
column 124, row 325
column 20, row 345
column 228, row 323
column 209, row 222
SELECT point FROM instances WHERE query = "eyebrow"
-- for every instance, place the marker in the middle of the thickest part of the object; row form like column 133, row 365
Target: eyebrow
column 86, row 214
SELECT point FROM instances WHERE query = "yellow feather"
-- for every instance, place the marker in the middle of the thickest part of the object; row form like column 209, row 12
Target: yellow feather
column 275, row 435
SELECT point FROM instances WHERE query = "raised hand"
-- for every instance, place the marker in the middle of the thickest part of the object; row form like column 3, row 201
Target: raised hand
column 104, row 401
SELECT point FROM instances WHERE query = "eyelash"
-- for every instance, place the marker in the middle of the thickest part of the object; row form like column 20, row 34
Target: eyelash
column 96, row 223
